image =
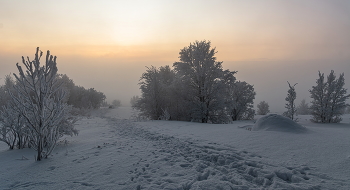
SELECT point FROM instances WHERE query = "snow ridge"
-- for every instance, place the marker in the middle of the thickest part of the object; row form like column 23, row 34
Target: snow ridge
column 275, row 122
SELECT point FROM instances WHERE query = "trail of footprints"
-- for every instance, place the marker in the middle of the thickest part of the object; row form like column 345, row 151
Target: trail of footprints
column 178, row 164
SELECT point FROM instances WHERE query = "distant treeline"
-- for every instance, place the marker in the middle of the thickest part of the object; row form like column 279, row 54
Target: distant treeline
column 77, row 96
column 198, row 89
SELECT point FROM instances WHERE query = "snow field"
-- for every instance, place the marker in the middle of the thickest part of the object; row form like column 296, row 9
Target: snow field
column 115, row 152
column 213, row 166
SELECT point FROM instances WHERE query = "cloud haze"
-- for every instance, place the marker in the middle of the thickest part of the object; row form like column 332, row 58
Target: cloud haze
column 107, row 44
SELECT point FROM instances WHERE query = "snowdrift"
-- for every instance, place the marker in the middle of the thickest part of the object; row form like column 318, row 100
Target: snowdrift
column 274, row 122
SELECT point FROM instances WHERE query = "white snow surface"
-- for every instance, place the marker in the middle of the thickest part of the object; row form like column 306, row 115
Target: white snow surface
column 115, row 150
column 274, row 122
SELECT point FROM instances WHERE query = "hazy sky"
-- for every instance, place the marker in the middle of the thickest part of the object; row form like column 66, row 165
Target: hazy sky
column 107, row 44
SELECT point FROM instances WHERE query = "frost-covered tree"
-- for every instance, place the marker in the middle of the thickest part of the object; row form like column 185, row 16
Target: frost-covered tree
column 201, row 72
column 318, row 103
column 290, row 105
column 263, row 108
column 5, row 90
column 93, row 98
column 133, row 100
column 149, row 103
column 116, row 103
column 13, row 129
column 154, row 85
column 86, row 98
column 347, row 111
column 39, row 99
column 197, row 89
column 173, row 104
column 303, row 108
column 329, row 98
column 67, row 85
column 78, row 96
column 179, row 102
column 2, row 96
column 240, row 98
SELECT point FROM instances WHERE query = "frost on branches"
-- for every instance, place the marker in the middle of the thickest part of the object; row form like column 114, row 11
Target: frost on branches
column 329, row 98
column 290, row 105
column 39, row 100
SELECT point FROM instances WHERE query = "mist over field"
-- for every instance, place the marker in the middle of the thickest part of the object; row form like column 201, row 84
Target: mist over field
column 120, row 80
column 181, row 95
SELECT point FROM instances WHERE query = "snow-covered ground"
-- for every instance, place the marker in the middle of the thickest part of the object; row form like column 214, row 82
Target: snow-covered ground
column 115, row 150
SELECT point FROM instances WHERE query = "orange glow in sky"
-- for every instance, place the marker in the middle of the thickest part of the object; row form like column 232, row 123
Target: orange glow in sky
column 122, row 33
column 241, row 30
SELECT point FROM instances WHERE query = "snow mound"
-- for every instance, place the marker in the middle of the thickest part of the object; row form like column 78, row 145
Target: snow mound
column 274, row 122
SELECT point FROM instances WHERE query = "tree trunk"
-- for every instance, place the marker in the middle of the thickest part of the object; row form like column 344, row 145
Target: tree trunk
column 40, row 148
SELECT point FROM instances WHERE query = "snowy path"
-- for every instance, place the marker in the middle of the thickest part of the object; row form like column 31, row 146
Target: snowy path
column 113, row 152
column 193, row 164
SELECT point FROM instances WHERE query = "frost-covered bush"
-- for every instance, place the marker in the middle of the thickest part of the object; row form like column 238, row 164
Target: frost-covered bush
column 329, row 98
column 40, row 101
